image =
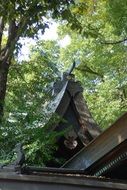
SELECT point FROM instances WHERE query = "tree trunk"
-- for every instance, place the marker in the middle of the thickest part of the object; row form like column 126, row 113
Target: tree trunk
column 4, row 68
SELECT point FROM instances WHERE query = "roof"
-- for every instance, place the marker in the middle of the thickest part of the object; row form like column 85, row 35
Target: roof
column 56, row 179
column 106, row 155
column 68, row 112
column 69, row 103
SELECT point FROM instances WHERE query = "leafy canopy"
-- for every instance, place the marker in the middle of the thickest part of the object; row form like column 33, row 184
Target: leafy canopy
column 98, row 41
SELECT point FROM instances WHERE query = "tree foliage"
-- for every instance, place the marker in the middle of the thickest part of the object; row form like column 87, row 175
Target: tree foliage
column 23, row 19
column 28, row 94
column 100, row 47
column 98, row 35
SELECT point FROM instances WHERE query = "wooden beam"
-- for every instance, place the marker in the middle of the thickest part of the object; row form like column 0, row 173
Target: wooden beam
column 52, row 181
column 103, row 144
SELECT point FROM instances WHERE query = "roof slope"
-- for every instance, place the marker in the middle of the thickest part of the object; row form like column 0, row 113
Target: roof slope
column 106, row 155
column 69, row 101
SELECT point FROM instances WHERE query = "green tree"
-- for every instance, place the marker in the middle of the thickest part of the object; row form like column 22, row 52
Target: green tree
column 99, row 43
column 23, row 19
column 28, row 95
column 100, row 46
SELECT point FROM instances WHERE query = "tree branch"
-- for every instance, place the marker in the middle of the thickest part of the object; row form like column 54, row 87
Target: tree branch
column 1, row 30
column 114, row 42
column 89, row 70
column 14, row 32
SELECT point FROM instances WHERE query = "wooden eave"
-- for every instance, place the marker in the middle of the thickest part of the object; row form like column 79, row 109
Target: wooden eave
column 57, row 180
column 102, row 147
column 112, row 165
